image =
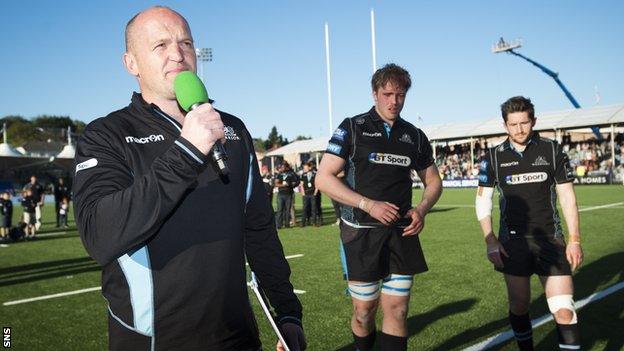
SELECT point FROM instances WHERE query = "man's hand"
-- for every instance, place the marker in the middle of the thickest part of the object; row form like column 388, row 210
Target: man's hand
column 574, row 254
column 203, row 127
column 417, row 224
column 294, row 337
column 385, row 212
column 494, row 250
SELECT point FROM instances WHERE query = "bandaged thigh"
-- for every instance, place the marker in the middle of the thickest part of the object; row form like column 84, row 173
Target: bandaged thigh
column 397, row 285
column 364, row 291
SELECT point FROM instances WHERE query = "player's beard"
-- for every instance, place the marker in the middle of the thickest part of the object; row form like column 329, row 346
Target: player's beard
column 521, row 139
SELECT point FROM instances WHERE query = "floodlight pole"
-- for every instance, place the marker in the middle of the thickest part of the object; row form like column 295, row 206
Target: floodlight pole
column 203, row 55
column 504, row 47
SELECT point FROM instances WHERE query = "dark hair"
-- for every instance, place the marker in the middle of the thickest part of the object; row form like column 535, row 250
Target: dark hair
column 518, row 104
column 391, row 73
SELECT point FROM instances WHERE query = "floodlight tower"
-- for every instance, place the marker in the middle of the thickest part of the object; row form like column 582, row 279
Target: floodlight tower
column 203, row 55
column 509, row 47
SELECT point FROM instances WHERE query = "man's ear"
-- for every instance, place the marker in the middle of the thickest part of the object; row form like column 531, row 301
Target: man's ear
column 130, row 63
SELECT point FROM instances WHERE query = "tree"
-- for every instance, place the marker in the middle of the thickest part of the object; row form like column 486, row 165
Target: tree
column 274, row 139
column 40, row 128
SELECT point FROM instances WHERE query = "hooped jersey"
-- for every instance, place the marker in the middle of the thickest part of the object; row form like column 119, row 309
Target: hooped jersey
column 379, row 159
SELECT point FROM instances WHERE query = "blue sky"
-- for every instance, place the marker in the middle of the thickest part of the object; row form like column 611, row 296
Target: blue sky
column 64, row 57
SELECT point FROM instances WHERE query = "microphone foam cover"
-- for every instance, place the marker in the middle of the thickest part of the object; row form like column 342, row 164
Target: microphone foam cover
column 189, row 90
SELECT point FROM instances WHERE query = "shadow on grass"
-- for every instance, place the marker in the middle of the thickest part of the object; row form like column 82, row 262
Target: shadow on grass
column 603, row 324
column 587, row 281
column 60, row 272
column 45, row 270
column 416, row 323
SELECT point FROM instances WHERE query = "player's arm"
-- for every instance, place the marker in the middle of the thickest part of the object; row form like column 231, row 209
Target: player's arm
column 564, row 178
column 430, row 177
column 425, row 167
column 327, row 181
column 567, row 199
column 483, row 207
column 117, row 210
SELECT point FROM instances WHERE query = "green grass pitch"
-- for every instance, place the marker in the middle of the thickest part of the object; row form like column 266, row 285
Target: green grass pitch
column 458, row 303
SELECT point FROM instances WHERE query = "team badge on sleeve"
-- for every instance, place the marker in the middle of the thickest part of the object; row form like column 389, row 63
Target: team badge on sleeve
column 339, row 134
column 483, row 166
column 334, row 148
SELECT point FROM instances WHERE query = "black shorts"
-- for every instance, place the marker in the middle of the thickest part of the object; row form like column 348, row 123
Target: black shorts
column 373, row 253
column 544, row 256
column 5, row 221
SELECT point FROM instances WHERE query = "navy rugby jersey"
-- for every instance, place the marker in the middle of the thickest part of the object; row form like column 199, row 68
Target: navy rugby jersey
column 526, row 182
column 172, row 235
column 379, row 161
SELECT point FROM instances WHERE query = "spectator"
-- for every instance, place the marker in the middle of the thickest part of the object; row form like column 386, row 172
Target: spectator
column 6, row 213
column 38, row 197
column 285, row 182
column 308, row 192
column 29, row 203
column 61, row 192
column 63, row 212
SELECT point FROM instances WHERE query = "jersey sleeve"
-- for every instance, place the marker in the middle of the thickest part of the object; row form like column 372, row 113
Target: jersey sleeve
column 487, row 177
column 563, row 170
column 264, row 250
column 424, row 153
column 340, row 142
column 117, row 210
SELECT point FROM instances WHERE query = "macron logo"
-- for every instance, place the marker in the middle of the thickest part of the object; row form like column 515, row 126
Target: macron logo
column 148, row 139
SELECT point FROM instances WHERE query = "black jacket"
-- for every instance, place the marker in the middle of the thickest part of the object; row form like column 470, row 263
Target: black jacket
column 172, row 235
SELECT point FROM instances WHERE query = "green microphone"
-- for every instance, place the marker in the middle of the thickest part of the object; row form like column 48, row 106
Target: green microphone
column 190, row 93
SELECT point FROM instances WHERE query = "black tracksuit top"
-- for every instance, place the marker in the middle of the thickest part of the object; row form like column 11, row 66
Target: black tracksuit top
column 172, row 235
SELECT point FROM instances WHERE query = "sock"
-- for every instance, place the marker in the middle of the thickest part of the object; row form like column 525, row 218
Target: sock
column 392, row 343
column 523, row 331
column 364, row 343
column 569, row 336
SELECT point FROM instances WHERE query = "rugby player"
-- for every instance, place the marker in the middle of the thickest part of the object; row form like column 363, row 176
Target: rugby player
column 530, row 173
column 379, row 227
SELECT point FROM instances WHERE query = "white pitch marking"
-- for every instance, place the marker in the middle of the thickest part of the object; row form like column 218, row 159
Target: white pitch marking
column 591, row 208
column 45, row 297
column 52, row 234
column 4, row 245
column 581, row 208
column 504, row 336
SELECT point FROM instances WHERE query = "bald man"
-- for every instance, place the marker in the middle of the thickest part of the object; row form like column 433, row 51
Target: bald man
column 170, row 232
